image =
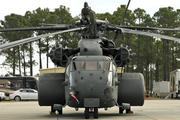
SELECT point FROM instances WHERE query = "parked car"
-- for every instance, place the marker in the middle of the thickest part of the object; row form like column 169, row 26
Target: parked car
column 2, row 95
column 24, row 94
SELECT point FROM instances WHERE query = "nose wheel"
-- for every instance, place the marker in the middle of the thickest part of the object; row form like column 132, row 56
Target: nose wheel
column 60, row 112
column 87, row 113
column 95, row 113
column 121, row 110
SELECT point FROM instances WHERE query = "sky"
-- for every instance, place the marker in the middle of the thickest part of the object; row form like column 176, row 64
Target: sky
column 99, row 6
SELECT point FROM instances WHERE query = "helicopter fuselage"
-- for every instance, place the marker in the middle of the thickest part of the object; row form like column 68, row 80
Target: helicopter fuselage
column 92, row 81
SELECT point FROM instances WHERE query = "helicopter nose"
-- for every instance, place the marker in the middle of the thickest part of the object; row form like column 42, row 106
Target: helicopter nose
column 91, row 87
column 94, row 83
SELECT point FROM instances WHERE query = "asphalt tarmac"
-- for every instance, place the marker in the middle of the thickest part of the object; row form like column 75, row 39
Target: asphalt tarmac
column 152, row 110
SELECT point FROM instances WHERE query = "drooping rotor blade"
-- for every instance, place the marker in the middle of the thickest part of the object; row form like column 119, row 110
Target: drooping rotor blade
column 115, row 37
column 125, row 13
column 148, row 28
column 26, row 40
column 62, row 27
column 149, row 34
column 44, row 24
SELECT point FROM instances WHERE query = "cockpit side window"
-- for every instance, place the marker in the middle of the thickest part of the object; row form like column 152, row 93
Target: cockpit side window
column 67, row 70
column 110, row 69
column 114, row 70
column 104, row 65
column 91, row 65
column 73, row 80
column 110, row 75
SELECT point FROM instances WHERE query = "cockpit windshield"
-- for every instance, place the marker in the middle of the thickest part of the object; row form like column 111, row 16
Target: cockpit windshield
column 90, row 65
column 78, row 65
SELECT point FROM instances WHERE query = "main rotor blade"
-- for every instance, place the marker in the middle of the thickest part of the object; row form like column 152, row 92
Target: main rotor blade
column 44, row 24
column 149, row 34
column 115, row 37
column 61, row 27
column 125, row 12
column 26, row 40
column 149, row 28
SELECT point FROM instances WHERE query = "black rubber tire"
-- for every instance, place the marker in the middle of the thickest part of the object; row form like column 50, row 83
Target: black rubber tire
column 121, row 110
column 95, row 113
column 17, row 98
column 128, row 110
column 86, row 113
column 60, row 111
column 176, row 95
column 52, row 110
column 172, row 96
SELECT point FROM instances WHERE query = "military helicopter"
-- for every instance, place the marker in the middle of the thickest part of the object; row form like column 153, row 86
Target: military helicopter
column 90, row 80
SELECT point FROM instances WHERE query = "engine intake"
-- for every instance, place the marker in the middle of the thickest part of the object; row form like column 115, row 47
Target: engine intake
column 58, row 56
column 124, row 55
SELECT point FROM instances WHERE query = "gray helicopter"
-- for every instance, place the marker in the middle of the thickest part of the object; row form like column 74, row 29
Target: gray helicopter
column 90, row 80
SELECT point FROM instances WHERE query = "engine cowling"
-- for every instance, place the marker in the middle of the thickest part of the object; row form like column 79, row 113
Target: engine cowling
column 124, row 55
column 58, row 56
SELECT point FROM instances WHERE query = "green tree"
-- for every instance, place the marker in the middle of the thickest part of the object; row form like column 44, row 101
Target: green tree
column 40, row 16
column 14, row 55
column 162, row 20
column 64, row 17
column 139, row 14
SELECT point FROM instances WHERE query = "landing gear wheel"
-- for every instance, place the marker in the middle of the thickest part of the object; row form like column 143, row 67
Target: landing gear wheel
column 60, row 111
column 120, row 110
column 52, row 112
column 129, row 111
column 86, row 113
column 17, row 98
column 177, row 95
column 95, row 113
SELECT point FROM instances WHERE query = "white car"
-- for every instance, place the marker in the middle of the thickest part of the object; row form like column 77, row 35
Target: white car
column 2, row 95
column 24, row 94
